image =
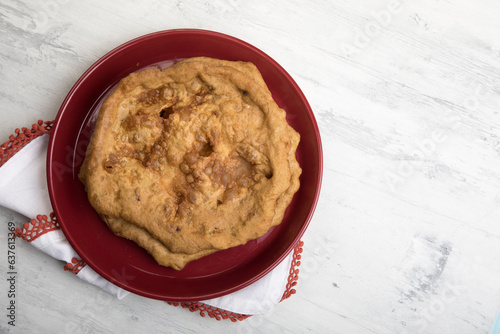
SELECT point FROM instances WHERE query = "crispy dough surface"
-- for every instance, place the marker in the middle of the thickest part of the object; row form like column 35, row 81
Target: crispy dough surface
column 191, row 159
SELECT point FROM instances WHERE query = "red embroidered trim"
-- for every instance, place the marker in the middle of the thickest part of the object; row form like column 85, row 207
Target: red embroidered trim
column 40, row 226
column 75, row 266
column 293, row 277
column 37, row 227
column 21, row 138
column 212, row 312
column 218, row 314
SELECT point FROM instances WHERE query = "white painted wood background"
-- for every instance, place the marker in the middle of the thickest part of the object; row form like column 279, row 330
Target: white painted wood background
column 405, row 238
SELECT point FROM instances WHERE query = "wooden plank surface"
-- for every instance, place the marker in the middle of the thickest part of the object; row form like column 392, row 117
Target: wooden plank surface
column 406, row 94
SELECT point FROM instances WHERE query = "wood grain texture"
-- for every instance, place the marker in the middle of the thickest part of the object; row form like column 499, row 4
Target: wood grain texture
column 405, row 238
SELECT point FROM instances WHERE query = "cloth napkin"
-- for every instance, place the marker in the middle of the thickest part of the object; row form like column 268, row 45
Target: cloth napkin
column 23, row 189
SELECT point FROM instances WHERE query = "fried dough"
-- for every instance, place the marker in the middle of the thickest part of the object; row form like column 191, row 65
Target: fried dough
column 191, row 159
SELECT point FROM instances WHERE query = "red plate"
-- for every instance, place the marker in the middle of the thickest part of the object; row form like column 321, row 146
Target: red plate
column 123, row 262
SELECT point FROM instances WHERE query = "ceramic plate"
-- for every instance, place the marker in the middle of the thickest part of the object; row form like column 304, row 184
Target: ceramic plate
column 121, row 261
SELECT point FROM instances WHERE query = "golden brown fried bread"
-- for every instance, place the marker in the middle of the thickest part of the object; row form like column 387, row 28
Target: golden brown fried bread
column 191, row 159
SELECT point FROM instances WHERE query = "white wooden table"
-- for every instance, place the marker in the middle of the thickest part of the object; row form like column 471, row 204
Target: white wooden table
column 406, row 235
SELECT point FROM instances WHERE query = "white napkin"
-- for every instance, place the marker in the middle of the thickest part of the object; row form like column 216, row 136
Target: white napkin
column 23, row 188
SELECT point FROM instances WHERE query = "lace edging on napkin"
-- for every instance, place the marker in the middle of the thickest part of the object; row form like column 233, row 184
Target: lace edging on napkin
column 21, row 138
